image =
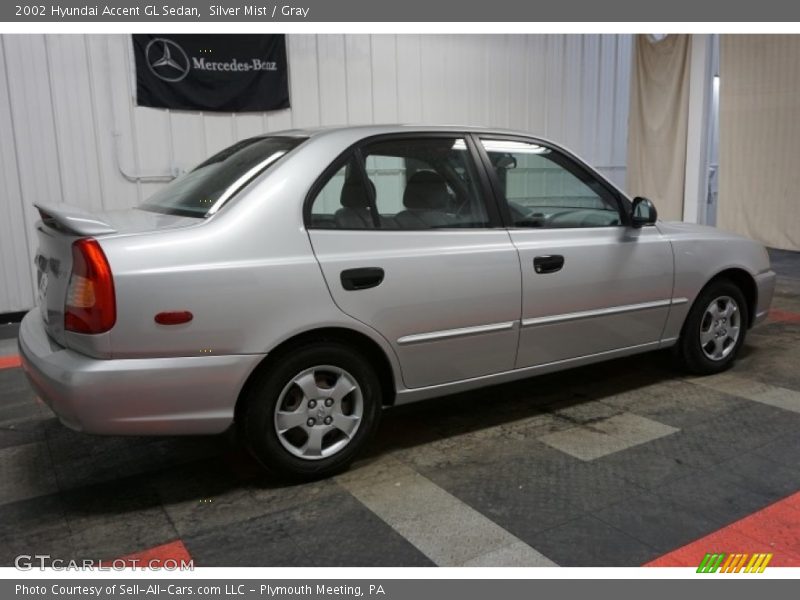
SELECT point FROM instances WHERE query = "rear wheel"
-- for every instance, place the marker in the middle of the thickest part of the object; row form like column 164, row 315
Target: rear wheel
column 715, row 329
column 311, row 413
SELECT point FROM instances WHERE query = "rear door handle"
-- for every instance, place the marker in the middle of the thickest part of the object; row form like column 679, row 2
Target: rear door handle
column 548, row 264
column 362, row 278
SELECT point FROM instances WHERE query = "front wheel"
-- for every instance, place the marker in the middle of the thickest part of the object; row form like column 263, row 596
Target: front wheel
column 312, row 412
column 715, row 329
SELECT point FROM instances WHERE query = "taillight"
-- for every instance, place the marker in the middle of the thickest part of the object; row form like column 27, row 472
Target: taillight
column 90, row 306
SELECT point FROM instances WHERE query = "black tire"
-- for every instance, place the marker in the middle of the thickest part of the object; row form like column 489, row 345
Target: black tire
column 259, row 428
column 689, row 348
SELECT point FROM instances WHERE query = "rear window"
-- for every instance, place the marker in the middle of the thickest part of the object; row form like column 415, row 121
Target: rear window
column 208, row 186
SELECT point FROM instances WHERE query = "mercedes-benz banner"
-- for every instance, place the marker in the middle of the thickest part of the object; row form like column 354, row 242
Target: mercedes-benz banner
column 229, row 73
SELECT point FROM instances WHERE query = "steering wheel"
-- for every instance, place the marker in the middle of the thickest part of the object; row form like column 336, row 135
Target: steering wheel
column 593, row 218
column 557, row 217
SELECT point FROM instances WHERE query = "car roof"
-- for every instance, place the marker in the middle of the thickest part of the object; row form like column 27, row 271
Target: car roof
column 370, row 130
column 349, row 134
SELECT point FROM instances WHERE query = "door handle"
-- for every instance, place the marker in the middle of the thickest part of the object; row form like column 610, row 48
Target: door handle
column 362, row 278
column 548, row 264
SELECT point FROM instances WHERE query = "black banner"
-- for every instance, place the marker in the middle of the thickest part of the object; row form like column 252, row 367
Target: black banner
column 228, row 73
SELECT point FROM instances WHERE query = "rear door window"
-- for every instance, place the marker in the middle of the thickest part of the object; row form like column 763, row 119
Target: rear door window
column 404, row 184
column 343, row 202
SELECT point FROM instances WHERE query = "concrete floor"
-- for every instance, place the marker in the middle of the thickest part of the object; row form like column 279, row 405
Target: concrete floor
column 615, row 464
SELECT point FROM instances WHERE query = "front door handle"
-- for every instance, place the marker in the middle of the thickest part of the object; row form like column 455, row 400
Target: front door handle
column 548, row 264
column 362, row 278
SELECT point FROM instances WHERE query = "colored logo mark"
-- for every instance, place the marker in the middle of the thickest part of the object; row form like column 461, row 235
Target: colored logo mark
column 734, row 563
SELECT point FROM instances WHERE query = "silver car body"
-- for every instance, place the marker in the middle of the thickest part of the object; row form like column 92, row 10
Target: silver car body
column 458, row 309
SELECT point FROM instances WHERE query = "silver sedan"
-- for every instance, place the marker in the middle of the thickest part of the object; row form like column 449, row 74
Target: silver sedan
column 297, row 283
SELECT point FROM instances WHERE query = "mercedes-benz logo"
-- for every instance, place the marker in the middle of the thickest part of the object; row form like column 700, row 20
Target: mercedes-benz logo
column 166, row 60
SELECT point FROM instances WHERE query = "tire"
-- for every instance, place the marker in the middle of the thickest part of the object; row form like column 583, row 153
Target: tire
column 316, row 430
column 708, row 344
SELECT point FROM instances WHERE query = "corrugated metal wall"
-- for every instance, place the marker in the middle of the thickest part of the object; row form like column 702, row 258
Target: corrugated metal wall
column 70, row 131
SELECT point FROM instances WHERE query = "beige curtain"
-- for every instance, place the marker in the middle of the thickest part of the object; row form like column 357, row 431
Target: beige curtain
column 759, row 130
column 659, row 114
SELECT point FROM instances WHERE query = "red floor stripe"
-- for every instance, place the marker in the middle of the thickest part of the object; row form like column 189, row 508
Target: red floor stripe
column 155, row 557
column 773, row 529
column 9, row 362
column 776, row 314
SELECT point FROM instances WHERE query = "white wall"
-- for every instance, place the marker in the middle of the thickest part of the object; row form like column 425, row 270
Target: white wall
column 69, row 130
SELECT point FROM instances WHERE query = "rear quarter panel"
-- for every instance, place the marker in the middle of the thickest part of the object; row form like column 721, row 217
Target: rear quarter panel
column 248, row 274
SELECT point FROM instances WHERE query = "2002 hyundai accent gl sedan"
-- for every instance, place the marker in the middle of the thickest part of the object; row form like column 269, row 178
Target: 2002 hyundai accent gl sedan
column 299, row 282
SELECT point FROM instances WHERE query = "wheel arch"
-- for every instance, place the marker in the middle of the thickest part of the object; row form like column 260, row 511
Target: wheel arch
column 745, row 282
column 371, row 350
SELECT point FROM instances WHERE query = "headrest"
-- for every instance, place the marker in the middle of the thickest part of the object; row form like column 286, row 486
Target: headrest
column 426, row 190
column 354, row 194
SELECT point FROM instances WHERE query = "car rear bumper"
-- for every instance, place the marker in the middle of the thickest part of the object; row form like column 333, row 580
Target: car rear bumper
column 142, row 396
column 765, row 284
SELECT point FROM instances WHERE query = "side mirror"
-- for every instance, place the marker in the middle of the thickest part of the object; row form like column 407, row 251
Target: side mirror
column 643, row 212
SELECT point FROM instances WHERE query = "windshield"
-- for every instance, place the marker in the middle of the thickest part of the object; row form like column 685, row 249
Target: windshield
column 204, row 189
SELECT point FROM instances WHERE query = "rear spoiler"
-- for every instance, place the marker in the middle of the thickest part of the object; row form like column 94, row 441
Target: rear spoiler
column 71, row 219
